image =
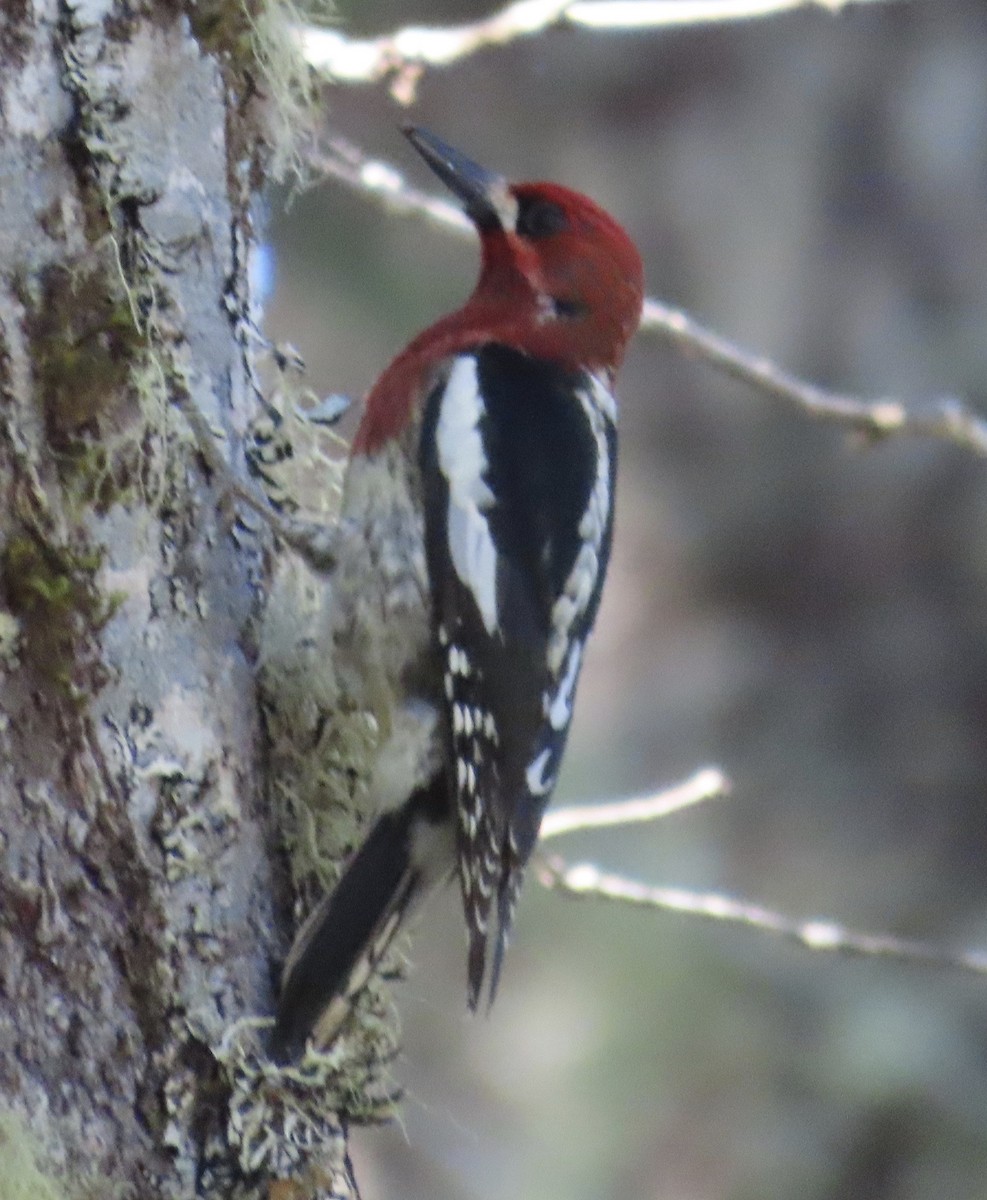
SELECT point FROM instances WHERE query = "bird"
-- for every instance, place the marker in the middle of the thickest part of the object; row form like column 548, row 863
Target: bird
column 474, row 537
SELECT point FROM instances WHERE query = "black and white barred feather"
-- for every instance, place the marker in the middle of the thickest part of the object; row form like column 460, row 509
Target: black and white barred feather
column 518, row 462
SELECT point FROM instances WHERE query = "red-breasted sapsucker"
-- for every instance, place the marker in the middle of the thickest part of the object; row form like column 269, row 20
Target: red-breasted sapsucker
column 475, row 533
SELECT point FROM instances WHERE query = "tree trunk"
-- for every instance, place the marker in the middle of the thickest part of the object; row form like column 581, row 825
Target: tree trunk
column 141, row 887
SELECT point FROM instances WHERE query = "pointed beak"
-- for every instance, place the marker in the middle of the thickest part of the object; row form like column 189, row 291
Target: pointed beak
column 484, row 195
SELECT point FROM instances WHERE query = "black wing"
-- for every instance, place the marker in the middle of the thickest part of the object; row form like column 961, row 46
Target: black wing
column 518, row 460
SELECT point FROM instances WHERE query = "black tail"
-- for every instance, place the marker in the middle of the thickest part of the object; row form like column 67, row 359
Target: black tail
column 406, row 853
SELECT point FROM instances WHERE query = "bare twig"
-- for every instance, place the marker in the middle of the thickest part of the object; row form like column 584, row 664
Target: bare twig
column 945, row 418
column 383, row 181
column 665, row 14
column 706, row 784
column 585, row 879
column 402, row 57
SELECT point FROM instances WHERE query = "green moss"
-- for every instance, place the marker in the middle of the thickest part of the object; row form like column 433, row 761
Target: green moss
column 52, row 594
column 21, row 1175
column 83, row 341
column 222, row 27
column 10, row 636
column 92, row 370
column 255, row 41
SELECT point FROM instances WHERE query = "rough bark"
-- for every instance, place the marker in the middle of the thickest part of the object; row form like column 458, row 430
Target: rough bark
column 140, row 861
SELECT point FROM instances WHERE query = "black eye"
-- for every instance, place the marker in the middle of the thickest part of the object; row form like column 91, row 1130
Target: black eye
column 540, row 219
column 569, row 310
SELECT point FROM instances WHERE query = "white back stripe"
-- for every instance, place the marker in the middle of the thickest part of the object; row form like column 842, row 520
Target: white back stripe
column 463, row 462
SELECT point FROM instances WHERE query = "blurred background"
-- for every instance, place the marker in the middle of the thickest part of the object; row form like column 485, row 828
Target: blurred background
column 805, row 611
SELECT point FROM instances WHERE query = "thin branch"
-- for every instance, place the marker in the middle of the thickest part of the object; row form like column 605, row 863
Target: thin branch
column 945, row 418
column 403, row 56
column 585, row 879
column 383, row 181
column 665, row 14
column 707, row 784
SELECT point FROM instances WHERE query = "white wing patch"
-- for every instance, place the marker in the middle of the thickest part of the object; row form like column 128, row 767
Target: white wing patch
column 559, row 711
column 599, row 406
column 565, row 649
column 535, row 777
column 463, row 462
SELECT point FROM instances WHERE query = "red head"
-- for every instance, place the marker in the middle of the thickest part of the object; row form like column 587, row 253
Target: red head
column 559, row 279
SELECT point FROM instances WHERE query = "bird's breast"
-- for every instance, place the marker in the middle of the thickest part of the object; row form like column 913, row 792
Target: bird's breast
column 381, row 597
